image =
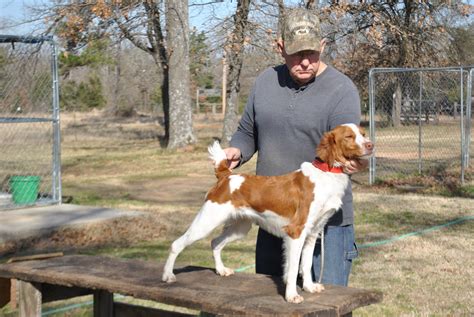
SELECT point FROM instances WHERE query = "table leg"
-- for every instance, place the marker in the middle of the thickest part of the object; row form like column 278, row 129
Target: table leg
column 30, row 299
column 5, row 289
column 103, row 304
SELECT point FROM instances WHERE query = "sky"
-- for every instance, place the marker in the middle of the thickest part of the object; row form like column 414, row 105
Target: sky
column 13, row 11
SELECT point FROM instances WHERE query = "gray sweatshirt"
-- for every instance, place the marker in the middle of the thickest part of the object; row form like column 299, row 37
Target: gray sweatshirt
column 285, row 122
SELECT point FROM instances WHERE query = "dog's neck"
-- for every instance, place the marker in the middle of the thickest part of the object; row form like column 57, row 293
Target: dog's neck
column 323, row 166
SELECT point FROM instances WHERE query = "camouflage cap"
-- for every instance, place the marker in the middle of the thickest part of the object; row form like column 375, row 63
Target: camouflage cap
column 301, row 31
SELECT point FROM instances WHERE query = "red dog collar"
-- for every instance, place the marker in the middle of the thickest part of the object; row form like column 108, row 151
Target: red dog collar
column 323, row 166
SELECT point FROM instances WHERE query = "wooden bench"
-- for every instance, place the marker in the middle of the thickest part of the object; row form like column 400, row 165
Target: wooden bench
column 199, row 288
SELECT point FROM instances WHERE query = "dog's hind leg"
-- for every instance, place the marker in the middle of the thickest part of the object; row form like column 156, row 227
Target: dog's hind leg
column 236, row 229
column 209, row 217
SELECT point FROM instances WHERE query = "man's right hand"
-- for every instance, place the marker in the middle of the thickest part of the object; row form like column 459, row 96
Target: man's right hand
column 233, row 156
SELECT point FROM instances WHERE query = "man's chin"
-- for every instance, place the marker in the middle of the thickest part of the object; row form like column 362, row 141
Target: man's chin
column 303, row 79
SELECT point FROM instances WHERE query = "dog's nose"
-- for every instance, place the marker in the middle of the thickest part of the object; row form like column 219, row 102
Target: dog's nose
column 369, row 145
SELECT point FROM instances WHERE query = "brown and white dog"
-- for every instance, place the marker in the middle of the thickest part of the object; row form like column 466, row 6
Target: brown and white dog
column 295, row 206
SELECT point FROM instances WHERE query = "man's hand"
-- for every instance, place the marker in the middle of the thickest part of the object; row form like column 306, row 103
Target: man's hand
column 233, row 156
column 355, row 166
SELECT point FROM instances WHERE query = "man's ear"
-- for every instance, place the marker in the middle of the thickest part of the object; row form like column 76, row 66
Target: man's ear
column 322, row 44
column 280, row 46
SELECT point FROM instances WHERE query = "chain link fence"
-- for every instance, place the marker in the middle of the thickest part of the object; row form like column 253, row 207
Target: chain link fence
column 421, row 122
column 29, row 122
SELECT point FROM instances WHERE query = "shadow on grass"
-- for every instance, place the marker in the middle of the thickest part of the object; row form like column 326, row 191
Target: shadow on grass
column 422, row 229
column 199, row 253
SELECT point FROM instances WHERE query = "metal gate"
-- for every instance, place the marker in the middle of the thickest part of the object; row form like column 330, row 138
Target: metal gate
column 30, row 171
column 420, row 120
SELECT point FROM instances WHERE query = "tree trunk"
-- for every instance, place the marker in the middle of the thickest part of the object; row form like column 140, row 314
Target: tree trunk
column 161, row 60
column 397, row 106
column 165, row 99
column 180, row 110
column 116, row 84
column 235, row 55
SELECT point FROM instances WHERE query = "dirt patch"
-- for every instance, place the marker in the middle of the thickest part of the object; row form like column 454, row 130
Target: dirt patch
column 181, row 190
column 118, row 232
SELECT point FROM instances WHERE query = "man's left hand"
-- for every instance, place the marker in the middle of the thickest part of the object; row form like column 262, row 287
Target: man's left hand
column 355, row 166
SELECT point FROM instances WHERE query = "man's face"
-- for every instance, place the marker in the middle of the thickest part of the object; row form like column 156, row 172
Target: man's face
column 303, row 65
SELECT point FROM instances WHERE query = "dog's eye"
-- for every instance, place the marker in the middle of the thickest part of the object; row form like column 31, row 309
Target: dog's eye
column 349, row 136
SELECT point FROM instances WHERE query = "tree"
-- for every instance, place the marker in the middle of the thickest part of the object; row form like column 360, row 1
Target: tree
column 200, row 61
column 462, row 44
column 180, row 120
column 388, row 33
column 234, row 50
column 402, row 33
column 140, row 22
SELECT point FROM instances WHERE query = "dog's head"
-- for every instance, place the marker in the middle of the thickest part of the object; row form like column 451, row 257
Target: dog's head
column 343, row 143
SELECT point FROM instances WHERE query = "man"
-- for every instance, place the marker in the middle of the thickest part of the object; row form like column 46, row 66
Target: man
column 289, row 109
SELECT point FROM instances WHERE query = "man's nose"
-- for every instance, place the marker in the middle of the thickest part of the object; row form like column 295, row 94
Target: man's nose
column 305, row 61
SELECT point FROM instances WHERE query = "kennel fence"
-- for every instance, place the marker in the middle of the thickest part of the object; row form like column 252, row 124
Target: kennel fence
column 30, row 172
column 421, row 121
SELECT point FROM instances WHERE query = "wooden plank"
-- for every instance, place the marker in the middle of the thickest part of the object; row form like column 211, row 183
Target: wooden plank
column 129, row 310
column 197, row 288
column 42, row 256
column 103, row 304
column 348, row 300
column 5, row 289
column 344, row 300
column 30, row 299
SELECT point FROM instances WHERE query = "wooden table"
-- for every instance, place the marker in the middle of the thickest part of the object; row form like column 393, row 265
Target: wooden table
column 197, row 288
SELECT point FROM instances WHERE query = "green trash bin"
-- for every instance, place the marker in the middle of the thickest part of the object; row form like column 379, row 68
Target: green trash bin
column 24, row 189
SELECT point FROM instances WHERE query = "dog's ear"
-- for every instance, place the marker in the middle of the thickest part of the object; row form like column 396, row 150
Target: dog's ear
column 327, row 148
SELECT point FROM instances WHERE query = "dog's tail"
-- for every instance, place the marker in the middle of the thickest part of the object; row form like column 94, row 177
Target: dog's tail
column 218, row 156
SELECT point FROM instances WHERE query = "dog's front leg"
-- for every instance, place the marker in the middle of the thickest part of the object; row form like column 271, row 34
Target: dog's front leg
column 306, row 264
column 293, row 249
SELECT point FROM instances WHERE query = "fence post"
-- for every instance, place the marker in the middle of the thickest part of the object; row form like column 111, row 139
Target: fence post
column 224, row 81
column 56, row 182
column 468, row 117
column 420, row 128
column 371, row 124
column 463, row 134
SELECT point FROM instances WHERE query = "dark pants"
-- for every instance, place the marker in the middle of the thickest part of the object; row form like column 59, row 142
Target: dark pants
column 339, row 248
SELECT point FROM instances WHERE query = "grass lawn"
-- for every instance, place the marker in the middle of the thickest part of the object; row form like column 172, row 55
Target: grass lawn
column 426, row 274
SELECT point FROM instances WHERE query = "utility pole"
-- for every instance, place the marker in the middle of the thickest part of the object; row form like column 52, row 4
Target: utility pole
column 224, row 81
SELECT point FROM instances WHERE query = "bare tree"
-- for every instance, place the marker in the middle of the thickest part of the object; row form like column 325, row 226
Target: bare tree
column 365, row 34
column 141, row 23
column 235, row 50
column 181, row 130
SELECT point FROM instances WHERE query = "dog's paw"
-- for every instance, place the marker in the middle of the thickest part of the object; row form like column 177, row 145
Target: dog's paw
column 168, row 277
column 295, row 299
column 224, row 271
column 313, row 288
